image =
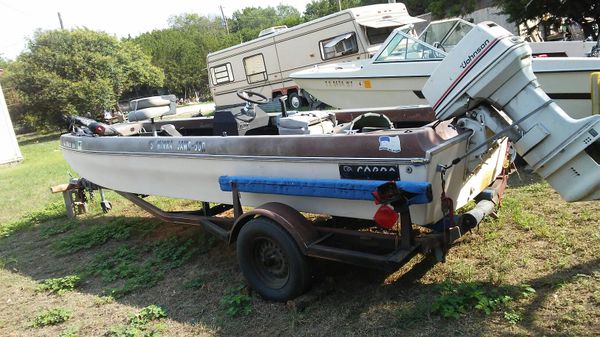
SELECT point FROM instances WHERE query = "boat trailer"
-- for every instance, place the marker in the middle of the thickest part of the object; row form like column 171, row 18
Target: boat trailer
column 271, row 236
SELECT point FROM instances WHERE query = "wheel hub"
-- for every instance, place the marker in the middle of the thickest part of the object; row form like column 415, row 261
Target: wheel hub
column 271, row 262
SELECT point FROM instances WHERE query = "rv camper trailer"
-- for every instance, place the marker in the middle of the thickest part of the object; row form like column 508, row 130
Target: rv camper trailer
column 263, row 65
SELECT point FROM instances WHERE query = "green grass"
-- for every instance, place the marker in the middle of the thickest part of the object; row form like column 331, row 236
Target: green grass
column 25, row 187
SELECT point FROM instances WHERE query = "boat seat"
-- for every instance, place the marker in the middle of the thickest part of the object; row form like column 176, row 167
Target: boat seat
column 152, row 107
column 370, row 121
column 313, row 123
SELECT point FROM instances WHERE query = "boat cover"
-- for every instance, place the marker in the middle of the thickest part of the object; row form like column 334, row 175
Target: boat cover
column 419, row 192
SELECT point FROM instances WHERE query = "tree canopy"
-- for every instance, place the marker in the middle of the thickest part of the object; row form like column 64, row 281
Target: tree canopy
column 584, row 12
column 248, row 22
column 76, row 72
column 181, row 51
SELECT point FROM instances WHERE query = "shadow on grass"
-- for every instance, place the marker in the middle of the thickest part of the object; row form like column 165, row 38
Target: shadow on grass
column 141, row 261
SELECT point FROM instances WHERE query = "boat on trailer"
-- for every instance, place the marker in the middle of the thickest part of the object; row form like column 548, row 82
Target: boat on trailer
column 368, row 168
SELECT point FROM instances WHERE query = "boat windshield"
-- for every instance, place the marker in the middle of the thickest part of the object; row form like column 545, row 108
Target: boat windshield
column 445, row 34
column 402, row 47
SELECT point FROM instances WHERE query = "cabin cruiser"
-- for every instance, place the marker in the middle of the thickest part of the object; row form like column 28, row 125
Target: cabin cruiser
column 397, row 73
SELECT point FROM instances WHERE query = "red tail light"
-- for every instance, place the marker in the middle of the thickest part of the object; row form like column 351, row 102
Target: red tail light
column 386, row 217
column 99, row 130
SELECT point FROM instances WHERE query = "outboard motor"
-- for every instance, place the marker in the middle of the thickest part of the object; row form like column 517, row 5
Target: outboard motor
column 488, row 78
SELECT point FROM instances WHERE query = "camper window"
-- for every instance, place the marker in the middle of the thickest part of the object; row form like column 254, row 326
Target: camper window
column 256, row 70
column 221, row 74
column 378, row 35
column 337, row 46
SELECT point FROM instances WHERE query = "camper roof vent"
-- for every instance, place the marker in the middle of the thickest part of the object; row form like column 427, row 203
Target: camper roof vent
column 272, row 30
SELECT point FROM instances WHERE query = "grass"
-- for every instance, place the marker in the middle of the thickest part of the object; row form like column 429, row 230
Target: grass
column 43, row 166
column 133, row 269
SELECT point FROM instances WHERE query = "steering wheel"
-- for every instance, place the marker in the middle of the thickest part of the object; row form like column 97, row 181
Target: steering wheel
column 246, row 94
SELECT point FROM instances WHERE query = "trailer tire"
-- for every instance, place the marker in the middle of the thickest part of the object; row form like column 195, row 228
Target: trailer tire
column 271, row 261
column 294, row 101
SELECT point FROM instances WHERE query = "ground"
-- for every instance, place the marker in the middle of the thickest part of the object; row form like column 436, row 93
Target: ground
column 533, row 271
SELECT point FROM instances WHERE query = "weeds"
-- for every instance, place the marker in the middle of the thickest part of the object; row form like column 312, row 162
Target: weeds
column 236, row 303
column 143, row 266
column 137, row 324
column 457, row 299
column 147, row 314
column 118, row 229
column 7, row 261
column 59, row 286
column 194, row 283
column 57, row 228
column 72, row 331
column 513, row 317
column 51, row 317
column 102, row 300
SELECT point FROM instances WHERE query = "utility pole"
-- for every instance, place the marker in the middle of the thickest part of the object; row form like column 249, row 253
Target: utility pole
column 340, row 4
column 224, row 19
column 60, row 21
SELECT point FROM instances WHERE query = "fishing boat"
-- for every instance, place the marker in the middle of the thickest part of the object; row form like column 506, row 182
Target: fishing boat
column 190, row 164
column 283, row 163
column 396, row 74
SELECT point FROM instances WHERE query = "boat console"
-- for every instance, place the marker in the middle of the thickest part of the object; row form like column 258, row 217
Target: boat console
column 487, row 83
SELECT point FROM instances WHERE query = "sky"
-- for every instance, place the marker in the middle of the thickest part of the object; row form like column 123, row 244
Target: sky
column 19, row 19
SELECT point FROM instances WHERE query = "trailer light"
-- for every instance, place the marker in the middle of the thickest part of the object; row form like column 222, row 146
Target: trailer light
column 99, row 129
column 385, row 217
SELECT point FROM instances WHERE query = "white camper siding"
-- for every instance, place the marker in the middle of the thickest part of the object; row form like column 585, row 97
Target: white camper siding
column 9, row 148
column 301, row 53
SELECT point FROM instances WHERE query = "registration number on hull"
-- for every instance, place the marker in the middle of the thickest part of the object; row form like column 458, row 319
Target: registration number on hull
column 369, row 172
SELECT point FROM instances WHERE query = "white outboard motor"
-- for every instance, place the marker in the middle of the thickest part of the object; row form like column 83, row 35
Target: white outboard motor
column 490, row 70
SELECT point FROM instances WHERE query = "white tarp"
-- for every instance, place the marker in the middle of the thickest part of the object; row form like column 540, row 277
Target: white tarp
column 9, row 148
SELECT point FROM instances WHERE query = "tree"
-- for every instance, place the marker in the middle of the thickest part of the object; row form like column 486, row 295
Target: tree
column 181, row 51
column 547, row 12
column 77, row 72
column 248, row 22
column 319, row 8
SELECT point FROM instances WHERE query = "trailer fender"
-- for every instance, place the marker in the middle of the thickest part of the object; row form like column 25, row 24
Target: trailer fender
column 287, row 217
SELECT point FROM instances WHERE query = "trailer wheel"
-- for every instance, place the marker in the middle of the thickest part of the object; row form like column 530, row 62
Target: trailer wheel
column 294, row 101
column 271, row 261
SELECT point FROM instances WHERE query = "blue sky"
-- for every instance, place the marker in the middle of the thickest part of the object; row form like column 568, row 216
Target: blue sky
column 19, row 19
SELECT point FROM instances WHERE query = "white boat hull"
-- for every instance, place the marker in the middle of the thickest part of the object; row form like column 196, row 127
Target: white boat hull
column 196, row 176
column 394, row 84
